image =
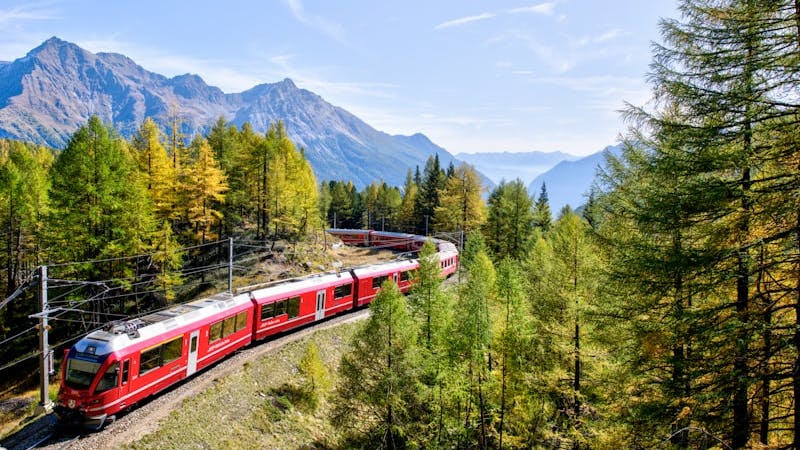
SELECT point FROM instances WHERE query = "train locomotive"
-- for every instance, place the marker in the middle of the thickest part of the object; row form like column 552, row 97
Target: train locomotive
column 112, row 369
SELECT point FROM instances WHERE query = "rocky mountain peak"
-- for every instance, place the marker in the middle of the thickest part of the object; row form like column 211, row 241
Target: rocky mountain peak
column 48, row 94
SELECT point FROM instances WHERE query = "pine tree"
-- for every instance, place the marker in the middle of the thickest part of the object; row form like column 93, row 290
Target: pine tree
column 428, row 197
column 543, row 217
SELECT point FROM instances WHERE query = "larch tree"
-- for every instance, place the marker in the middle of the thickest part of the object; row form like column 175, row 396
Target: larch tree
column 99, row 207
column 461, row 206
column 378, row 393
column 510, row 220
column 205, row 187
column 24, row 199
column 160, row 177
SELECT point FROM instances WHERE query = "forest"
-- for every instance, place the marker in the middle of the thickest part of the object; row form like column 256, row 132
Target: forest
column 665, row 312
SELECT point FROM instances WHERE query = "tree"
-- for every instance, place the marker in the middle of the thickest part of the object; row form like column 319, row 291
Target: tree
column 510, row 222
column 472, row 340
column 379, row 388
column 24, row 189
column 461, row 206
column 406, row 214
column 428, row 197
column 292, row 188
column 543, row 217
column 314, row 373
column 205, row 186
column 159, row 175
column 99, row 207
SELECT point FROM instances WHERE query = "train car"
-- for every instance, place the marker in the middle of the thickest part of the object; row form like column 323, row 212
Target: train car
column 359, row 238
column 292, row 303
column 111, row 369
column 403, row 242
column 448, row 258
column 370, row 278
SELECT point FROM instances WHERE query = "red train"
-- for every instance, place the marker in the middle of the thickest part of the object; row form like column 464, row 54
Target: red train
column 112, row 369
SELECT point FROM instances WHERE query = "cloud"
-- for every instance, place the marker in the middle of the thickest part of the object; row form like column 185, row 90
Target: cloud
column 332, row 29
column 25, row 13
column 464, row 20
column 601, row 38
column 541, row 8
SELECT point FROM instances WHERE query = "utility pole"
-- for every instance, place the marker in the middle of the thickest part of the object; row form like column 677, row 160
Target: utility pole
column 46, row 361
column 426, row 224
column 230, row 265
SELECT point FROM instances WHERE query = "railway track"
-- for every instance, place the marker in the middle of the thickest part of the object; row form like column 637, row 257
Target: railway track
column 144, row 419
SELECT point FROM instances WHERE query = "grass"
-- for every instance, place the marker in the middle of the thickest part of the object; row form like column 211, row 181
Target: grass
column 20, row 409
column 261, row 406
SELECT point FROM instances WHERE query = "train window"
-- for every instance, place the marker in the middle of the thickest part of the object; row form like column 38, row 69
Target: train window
column 241, row 320
column 228, row 326
column 378, row 281
column 293, row 307
column 342, row 291
column 172, row 350
column 150, row 359
column 405, row 276
column 266, row 311
column 215, row 333
column 125, row 367
column 109, row 379
column 280, row 307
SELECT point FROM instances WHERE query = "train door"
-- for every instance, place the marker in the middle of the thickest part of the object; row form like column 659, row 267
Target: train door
column 125, row 377
column 191, row 363
column 394, row 278
column 320, row 305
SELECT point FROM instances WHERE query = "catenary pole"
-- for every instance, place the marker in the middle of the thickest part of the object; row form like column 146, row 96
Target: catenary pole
column 44, row 345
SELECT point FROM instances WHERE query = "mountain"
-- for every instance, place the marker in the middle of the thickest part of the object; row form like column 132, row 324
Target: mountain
column 510, row 166
column 568, row 182
column 53, row 90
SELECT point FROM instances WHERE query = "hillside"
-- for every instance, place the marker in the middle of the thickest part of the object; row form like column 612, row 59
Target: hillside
column 568, row 182
column 47, row 94
column 509, row 166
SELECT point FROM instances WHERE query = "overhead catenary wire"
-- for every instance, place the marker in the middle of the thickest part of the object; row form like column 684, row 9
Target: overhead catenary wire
column 143, row 255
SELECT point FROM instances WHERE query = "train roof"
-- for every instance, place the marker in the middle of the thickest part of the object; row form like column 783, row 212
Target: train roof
column 300, row 284
column 386, row 267
column 347, row 231
column 122, row 334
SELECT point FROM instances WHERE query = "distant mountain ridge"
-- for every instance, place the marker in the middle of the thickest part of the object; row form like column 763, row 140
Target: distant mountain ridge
column 509, row 166
column 569, row 182
column 53, row 90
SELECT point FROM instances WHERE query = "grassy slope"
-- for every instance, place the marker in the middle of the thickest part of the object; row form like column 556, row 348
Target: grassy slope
column 259, row 406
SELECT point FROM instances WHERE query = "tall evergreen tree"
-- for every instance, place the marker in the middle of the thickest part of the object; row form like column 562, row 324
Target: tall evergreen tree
column 510, row 221
column 100, row 209
column 543, row 216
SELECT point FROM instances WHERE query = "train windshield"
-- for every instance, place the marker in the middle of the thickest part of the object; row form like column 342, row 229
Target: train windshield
column 80, row 373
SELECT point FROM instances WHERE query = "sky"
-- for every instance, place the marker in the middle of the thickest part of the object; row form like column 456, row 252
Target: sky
column 474, row 76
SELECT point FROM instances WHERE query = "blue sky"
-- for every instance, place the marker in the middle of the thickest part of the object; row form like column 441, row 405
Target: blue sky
column 472, row 75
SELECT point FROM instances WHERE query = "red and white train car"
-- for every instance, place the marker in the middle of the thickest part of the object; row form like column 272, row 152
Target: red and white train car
column 292, row 303
column 370, row 278
column 110, row 370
